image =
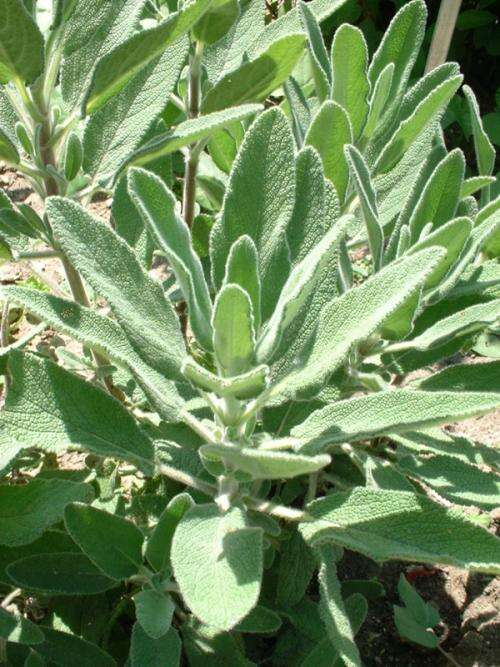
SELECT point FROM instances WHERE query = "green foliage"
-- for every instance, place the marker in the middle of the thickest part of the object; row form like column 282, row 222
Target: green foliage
column 223, row 405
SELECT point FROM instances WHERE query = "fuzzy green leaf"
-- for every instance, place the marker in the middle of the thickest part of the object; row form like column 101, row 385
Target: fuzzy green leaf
column 216, row 21
column 296, row 568
column 154, row 611
column 439, row 199
column 162, row 652
column 401, row 525
column 354, row 316
column 102, row 334
column 28, row 509
column 400, row 46
column 255, row 80
column 368, row 200
column 242, row 268
column 259, row 620
column 234, row 331
column 190, row 131
column 426, row 113
column 50, row 408
column 463, row 377
column 8, row 150
column 114, row 544
column 113, row 133
column 378, row 100
column 160, row 540
column 59, row 574
column 116, row 68
column 350, row 83
column 19, row 630
column 329, row 131
column 21, row 44
column 321, row 67
column 258, row 203
column 217, row 562
column 261, row 464
column 332, row 609
column 485, row 152
column 112, row 269
column 67, row 650
column 388, row 411
column 159, row 210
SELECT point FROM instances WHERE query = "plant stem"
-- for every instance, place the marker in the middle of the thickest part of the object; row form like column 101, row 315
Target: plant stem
column 279, row 511
column 10, row 597
column 192, row 160
column 443, row 32
column 186, row 479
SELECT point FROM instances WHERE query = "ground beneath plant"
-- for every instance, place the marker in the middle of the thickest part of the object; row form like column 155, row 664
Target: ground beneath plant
column 469, row 604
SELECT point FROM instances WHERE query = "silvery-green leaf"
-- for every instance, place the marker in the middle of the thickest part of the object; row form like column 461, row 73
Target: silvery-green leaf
column 439, row 199
column 41, row 411
column 160, row 540
column 113, row 133
column 216, row 21
column 427, row 112
column 485, row 152
column 59, row 574
column 104, row 335
column 128, row 224
column 217, row 562
column 8, row 150
column 482, row 280
column 329, row 131
column 299, row 109
column 73, row 156
column 94, row 28
column 160, row 213
column 246, row 385
column 110, row 266
column 15, row 628
column 259, row 202
column 301, row 282
column 388, row 411
column 378, row 100
column 65, row 649
column 465, row 321
column 21, row 44
column 226, row 55
column 262, row 464
column 400, row 46
column 113, row 543
column 472, row 185
column 401, row 525
column 117, row 67
column 154, row 611
column 233, row 330
column 355, row 315
column 28, row 509
column 455, row 480
column 452, row 236
column 191, row 131
column 368, row 201
column 332, row 609
column 350, row 83
column 260, row 620
column 296, row 568
column 462, row 377
column 424, row 86
column 242, row 269
column 321, row 67
column 256, row 79
column 162, row 652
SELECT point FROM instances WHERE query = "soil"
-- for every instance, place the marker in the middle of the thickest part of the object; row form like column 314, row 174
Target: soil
column 468, row 604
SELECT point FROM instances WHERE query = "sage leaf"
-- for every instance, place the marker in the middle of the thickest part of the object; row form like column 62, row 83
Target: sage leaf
column 154, row 611
column 160, row 540
column 191, row 131
column 242, row 269
column 135, row 298
column 68, row 650
column 329, row 131
column 217, row 562
column 332, row 609
column 21, row 44
column 160, row 213
column 8, row 150
column 259, row 202
column 321, row 67
column 27, row 510
column 259, row 620
column 116, row 68
column 485, row 152
column 165, row 651
column 261, row 464
column 216, row 21
column 113, row 543
column 388, row 411
column 297, row 566
column 350, row 87
column 256, row 79
column 59, row 574
column 41, row 411
column 233, row 330
column 400, row 525
column 19, row 630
